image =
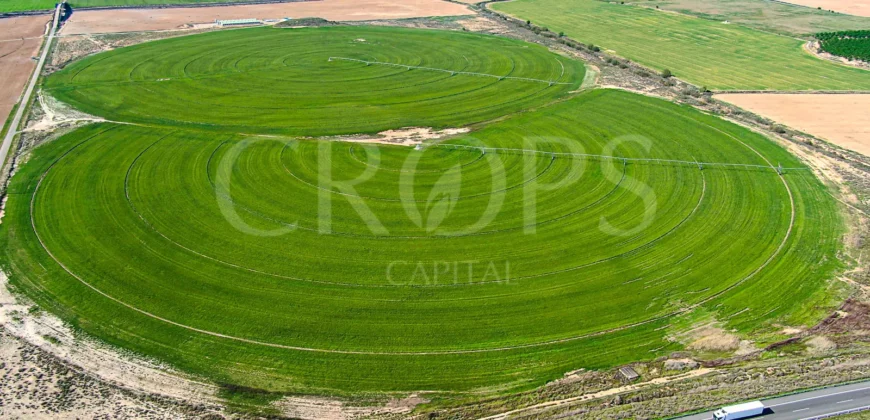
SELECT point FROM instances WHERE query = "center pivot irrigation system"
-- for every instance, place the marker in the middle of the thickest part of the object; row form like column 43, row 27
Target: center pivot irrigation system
column 452, row 72
column 625, row 160
column 426, row 277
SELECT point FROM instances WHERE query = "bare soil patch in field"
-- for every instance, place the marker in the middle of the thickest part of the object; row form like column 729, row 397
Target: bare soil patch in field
column 131, row 20
column 849, row 7
column 19, row 42
column 838, row 118
column 410, row 136
column 482, row 24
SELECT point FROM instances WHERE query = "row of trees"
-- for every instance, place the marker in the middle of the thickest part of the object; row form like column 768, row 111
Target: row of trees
column 854, row 45
column 824, row 36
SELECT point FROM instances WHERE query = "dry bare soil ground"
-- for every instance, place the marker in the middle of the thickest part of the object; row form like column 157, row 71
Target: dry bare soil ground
column 838, row 118
column 851, row 7
column 20, row 40
column 103, row 21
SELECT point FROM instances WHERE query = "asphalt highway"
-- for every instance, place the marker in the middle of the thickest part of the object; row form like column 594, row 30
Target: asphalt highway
column 811, row 405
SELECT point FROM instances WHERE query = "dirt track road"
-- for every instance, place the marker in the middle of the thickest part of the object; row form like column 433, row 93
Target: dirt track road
column 130, row 20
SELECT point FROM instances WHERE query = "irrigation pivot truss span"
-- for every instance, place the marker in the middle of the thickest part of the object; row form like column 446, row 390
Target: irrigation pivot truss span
column 452, row 72
column 625, row 160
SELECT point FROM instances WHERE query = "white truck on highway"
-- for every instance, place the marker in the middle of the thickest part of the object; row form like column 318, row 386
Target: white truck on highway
column 739, row 411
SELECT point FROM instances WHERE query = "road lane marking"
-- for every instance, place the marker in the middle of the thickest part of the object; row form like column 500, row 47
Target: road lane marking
column 800, row 409
column 820, row 396
column 867, row 407
column 838, row 402
column 850, row 410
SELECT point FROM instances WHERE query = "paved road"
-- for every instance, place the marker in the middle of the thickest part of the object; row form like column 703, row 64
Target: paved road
column 810, row 405
column 19, row 113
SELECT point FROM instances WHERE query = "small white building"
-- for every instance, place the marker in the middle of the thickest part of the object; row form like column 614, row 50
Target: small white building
column 238, row 22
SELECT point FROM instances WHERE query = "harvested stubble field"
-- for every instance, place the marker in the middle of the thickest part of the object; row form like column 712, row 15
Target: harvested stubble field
column 7, row 6
column 765, row 15
column 184, row 238
column 126, row 20
column 19, row 42
column 852, row 7
column 838, row 118
column 716, row 55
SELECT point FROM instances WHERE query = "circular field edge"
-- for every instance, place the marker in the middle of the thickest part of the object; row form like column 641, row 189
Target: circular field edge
column 418, row 353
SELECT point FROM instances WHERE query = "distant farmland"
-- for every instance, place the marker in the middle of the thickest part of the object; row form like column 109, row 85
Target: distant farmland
column 182, row 237
column 7, row 6
column 768, row 16
column 706, row 53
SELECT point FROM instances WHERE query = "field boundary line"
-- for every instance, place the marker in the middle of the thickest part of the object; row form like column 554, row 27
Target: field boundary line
column 22, row 39
column 452, row 72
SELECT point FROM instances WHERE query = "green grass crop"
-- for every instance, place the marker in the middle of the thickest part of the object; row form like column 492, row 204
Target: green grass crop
column 7, row 6
column 713, row 54
column 778, row 17
column 206, row 248
column 289, row 86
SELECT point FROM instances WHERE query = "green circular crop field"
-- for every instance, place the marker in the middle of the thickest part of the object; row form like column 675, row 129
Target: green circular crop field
column 205, row 227
column 283, row 82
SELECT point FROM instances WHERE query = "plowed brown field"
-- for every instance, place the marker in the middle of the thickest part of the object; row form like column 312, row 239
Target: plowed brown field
column 129, row 20
column 838, row 118
column 849, row 7
column 19, row 42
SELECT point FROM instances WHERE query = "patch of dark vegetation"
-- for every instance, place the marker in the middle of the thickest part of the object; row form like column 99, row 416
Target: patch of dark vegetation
column 854, row 316
column 778, row 129
column 854, row 45
column 243, row 399
column 307, row 22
